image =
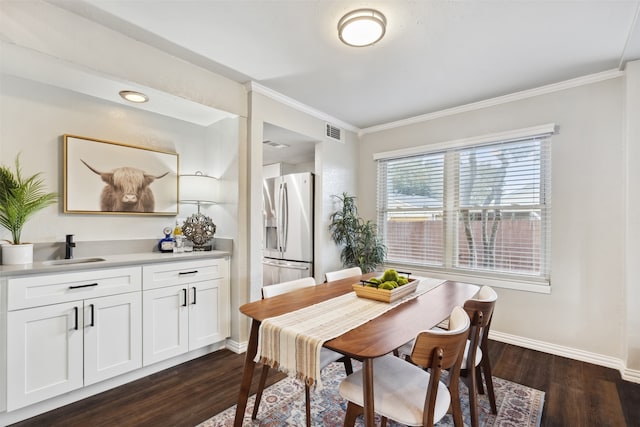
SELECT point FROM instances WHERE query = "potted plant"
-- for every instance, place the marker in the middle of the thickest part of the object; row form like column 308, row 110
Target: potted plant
column 20, row 198
column 361, row 245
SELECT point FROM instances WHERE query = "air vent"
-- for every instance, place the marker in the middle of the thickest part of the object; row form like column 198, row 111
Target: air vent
column 333, row 132
column 274, row 144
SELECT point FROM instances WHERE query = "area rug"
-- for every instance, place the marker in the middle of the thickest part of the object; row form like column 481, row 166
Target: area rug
column 283, row 405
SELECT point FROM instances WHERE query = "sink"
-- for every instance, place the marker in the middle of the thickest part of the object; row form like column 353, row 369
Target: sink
column 72, row 261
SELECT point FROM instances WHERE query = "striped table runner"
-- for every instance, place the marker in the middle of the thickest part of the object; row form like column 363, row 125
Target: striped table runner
column 291, row 342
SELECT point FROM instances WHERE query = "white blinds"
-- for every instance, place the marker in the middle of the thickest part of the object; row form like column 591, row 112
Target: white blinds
column 481, row 208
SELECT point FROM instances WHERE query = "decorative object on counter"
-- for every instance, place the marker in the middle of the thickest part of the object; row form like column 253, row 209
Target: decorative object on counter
column 147, row 184
column 20, row 198
column 361, row 245
column 166, row 244
column 178, row 238
column 198, row 189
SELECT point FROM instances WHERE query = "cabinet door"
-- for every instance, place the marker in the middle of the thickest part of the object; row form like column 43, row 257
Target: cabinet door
column 45, row 353
column 208, row 313
column 112, row 336
column 165, row 323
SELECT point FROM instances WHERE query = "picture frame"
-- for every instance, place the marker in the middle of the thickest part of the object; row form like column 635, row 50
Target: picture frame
column 106, row 177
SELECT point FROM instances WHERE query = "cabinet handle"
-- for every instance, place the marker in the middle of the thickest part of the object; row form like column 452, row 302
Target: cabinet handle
column 89, row 285
column 194, row 295
column 184, row 291
column 182, row 273
column 75, row 309
column 93, row 316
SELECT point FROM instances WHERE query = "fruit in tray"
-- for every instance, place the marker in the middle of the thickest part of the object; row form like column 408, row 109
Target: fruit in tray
column 390, row 280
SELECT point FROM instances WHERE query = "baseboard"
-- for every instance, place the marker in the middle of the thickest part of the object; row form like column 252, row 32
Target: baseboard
column 235, row 346
column 571, row 353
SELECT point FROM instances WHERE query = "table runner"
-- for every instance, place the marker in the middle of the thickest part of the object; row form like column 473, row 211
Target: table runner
column 292, row 342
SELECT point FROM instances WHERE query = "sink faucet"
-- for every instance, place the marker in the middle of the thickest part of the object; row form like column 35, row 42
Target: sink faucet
column 69, row 245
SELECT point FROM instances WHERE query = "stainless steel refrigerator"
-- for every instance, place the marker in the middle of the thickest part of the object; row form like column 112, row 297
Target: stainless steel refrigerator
column 287, row 241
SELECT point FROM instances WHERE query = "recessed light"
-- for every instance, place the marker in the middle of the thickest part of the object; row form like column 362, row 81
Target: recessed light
column 362, row 27
column 133, row 96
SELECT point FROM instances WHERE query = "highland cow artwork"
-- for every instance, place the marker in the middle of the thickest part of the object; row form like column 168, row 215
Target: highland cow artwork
column 113, row 178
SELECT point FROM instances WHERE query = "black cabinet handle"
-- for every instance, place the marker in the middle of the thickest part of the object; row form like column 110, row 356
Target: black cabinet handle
column 89, row 285
column 194, row 295
column 182, row 273
column 93, row 315
column 184, row 291
column 75, row 309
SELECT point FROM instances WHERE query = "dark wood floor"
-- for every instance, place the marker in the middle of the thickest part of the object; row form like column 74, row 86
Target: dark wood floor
column 577, row 393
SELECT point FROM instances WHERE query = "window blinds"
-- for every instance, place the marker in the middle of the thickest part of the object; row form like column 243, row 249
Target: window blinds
column 483, row 207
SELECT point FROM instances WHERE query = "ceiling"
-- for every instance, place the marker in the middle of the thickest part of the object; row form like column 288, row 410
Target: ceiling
column 435, row 54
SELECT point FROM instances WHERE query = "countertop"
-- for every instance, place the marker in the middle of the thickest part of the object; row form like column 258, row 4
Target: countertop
column 110, row 261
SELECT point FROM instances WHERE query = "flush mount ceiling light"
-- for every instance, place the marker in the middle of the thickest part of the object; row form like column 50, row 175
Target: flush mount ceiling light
column 362, row 27
column 133, row 96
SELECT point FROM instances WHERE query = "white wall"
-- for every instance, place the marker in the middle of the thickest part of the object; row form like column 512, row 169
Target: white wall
column 585, row 310
column 632, row 154
column 34, row 118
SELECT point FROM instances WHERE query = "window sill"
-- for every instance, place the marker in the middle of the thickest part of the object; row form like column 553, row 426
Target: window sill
column 518, row 285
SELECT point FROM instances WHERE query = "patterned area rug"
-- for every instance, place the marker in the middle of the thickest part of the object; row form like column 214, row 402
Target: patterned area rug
column 283, row 405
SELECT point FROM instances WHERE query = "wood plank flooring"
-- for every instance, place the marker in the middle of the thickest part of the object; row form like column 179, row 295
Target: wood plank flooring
column 577, row 394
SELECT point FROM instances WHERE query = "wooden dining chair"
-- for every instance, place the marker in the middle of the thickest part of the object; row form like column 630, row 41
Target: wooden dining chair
column 342, row 274
column 326, row 356
column 408, row 393
column 476, row 363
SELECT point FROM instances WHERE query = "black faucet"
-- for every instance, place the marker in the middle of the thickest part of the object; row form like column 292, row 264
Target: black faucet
column 69, row 245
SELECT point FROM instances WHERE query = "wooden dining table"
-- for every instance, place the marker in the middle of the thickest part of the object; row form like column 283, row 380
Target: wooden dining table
column 377, row 337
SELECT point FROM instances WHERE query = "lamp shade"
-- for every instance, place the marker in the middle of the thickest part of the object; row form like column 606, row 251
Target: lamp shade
column 198, row 188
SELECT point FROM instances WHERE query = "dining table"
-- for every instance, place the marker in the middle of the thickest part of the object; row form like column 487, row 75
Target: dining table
column 375, row 338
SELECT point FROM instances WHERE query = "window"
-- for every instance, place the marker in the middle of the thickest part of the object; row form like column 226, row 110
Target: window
column 481, row 207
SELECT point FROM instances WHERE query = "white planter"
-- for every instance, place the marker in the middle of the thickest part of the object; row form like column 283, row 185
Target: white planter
column 17, row 254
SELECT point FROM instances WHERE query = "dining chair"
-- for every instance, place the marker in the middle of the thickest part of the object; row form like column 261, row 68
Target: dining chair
column 326, row 356
column 342, row 274
column 480, row 312
column 476, row 363
column 408, row 393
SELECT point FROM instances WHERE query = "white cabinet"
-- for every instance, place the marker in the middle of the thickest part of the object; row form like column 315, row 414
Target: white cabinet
column 185, row 306
column 86, row 337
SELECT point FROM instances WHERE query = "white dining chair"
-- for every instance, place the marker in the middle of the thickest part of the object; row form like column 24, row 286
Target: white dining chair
column 326, row 356
column 406, row 392
column 342, row 274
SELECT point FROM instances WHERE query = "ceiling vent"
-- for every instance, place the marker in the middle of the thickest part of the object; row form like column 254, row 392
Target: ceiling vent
column 274, row 144
column 333, row 132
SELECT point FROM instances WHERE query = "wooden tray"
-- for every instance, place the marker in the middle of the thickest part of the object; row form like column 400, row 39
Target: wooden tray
column 385, row 295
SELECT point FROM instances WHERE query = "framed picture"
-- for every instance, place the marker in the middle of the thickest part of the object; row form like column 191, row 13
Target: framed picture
column 105, row 177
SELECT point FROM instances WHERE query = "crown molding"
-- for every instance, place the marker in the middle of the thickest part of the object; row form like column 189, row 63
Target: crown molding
column 516, row 96
column 252, row 86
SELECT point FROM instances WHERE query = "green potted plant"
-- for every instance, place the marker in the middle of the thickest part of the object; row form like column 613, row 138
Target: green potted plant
column 20, row 198
column 361, row 245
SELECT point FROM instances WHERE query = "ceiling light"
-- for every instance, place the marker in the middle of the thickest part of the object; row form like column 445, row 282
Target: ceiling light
column 362, row 27
column 133, row 96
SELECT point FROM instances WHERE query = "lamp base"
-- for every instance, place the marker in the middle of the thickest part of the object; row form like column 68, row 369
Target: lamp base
column 202, row 248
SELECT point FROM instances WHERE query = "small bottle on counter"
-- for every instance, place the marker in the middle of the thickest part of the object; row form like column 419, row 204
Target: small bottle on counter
column 167, row 243
column 178, row 237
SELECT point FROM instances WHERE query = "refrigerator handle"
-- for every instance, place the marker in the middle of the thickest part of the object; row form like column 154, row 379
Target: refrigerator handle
column 285, row 216
column 280, row 224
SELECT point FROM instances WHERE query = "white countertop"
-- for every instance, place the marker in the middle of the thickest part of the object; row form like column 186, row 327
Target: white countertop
column 109, row 261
